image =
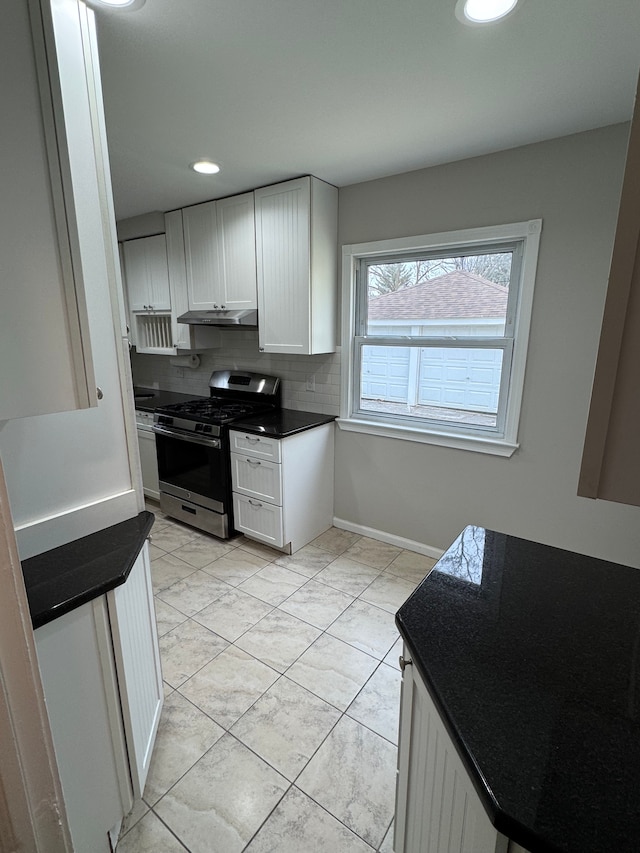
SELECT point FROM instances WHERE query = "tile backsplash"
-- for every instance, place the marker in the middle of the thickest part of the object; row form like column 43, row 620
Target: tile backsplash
column 239, row 350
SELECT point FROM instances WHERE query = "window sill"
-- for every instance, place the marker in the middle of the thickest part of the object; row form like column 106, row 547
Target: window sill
column 478, row 444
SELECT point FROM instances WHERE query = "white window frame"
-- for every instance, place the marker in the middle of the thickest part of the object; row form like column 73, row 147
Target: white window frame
column 503, row 440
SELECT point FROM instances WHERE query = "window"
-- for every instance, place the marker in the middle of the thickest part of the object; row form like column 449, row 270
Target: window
column 435, row 335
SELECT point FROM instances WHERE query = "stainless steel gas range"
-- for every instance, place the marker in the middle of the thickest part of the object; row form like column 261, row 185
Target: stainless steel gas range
column 192, row 445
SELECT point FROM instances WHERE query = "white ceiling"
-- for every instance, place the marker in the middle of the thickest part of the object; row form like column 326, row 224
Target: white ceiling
column 347, row 90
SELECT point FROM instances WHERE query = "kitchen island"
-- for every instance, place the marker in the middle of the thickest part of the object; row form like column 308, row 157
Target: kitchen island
column 523, row 699
column 91, row 604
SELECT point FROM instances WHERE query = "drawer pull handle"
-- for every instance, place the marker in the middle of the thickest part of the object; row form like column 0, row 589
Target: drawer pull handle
column 251, row 439
column 404, row 662
column 254, row 461
column 255, row 503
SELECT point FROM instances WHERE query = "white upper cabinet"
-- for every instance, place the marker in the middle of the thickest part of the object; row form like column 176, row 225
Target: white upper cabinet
column 220, row 254
column 45, row 350
column 296, row 245
column 237, row 251
column 202, row 256
column 147, row 274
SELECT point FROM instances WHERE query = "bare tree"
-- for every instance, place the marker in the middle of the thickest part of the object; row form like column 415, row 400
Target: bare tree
column 398, row 275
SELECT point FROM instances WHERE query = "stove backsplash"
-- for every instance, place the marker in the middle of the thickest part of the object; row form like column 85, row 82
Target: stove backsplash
column 239, row 350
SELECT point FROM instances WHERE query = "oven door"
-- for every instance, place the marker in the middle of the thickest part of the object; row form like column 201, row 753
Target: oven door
column 193, row 473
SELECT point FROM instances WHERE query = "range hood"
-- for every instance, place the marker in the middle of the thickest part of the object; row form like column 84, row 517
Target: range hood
column 241, row 318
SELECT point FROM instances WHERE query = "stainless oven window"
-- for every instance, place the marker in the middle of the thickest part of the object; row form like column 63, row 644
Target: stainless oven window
column 193, row 466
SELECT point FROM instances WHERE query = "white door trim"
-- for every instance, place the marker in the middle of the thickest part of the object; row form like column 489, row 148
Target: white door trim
column 32, row 813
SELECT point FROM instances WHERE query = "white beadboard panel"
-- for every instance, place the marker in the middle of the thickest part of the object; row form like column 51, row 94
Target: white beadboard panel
column 259, row 520
column 237, row 243
column 240, row 351
column 202, row 254
column 283, row 221
column 438, row 808
column 135, row 644
column 256, row 478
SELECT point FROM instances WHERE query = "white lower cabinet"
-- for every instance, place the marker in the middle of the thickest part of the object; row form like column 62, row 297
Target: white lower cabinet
column 148, row 458
column 437, row 807
column 100, row 670
column 283, row 488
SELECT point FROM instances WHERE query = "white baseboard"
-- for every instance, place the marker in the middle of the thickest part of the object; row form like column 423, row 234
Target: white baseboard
column 389, row 538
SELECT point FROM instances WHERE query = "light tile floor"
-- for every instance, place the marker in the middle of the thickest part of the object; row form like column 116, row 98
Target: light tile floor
column 279, row 730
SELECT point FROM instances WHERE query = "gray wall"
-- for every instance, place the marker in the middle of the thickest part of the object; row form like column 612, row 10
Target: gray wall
column 428, row 493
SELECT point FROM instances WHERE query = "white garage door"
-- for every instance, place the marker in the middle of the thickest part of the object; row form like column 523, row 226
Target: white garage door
column 385, row 373
column 460, row 378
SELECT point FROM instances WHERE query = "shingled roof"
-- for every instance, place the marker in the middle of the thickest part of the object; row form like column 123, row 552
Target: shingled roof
column 453, row 295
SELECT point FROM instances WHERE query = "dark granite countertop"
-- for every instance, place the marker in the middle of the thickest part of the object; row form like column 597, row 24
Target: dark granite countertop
column 532, row 655
column 62, row 579
column 149, row 399
column 281, row 423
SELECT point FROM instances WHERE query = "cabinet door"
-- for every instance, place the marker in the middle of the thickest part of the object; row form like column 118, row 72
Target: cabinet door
column 202, row 256
column 147, row 274
column 135, row 645
column 259, row 520
column 149, row 463
column 237, row 242
column 81, row 692
column 43, row 298
column 283, row 253
column 256, row 478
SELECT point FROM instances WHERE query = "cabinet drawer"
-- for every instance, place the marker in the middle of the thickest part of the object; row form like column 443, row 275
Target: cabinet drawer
column 258, row 519
column 256, row 478
column 255, row 445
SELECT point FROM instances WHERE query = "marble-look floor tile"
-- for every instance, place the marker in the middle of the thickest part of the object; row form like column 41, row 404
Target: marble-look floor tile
column 286, row 726
column 377, row 706
column 278, row 639
column 371, row 552
column 332, row 670
column 366, row 627
column 170, row 537
column 411, row 566
column 202, row 550
column 347, row 575
column 186, row 649
column 194, row 593
column 259, row 549
column 155, row 552
column 150, row 835
column 222, row 801
column 167, row 617
column 392, row 658
column 236, row 566
column 233, row 613
column 273, row 584
column 139, row 810
column 334, row 778
column 387, row 844
column 308, row 561
column 388, row 592
column 335, row 540
column 167, row 689
column 184, row 735
column 298, row 825
column 317, row 604
column 167, row 570
column 229, row 685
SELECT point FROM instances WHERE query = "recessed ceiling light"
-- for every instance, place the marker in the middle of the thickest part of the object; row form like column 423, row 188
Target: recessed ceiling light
column 120, row 5
column 483, row 11
column 205, row 167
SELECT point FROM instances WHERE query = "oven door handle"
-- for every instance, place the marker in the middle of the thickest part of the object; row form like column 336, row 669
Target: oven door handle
column 193, row 439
